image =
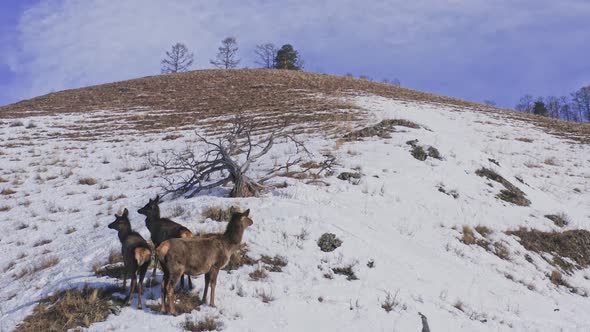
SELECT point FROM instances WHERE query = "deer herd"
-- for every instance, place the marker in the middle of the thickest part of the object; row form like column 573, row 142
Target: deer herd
column 178, row 252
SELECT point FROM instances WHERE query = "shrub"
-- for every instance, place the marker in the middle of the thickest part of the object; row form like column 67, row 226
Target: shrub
column 329, row 242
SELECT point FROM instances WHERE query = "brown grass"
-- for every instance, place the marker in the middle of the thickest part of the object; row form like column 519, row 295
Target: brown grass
column 560, row 219
column 483, row 230
column 346, row 271
column 468, row 237
column 88, row 181
column 219, row 213
column 258, row 274
column 206, row 324
column 7, row 191
column 5, row 208
column 511, row 194
column 265, row 297
column 524, row 139
column 201, row 95
column 41, row 243
column 572, row 244
column 69, row 309
column 275, row 264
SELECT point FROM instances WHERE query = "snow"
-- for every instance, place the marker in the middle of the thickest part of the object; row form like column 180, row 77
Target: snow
column 395, row 216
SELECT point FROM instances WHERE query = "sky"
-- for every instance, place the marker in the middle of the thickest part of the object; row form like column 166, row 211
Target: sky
column 470, row 49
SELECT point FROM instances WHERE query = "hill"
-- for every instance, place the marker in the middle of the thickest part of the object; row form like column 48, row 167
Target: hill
column 472, row 216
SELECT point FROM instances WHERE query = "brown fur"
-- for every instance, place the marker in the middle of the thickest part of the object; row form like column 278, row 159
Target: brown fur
column 199, row 255
column 162, row 229
column 136, row 254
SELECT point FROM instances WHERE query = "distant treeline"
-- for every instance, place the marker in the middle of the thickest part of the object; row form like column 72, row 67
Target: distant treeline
column 575, row 107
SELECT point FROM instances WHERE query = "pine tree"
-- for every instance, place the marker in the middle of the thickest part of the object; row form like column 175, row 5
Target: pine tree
column 287, row 58
column 540, row 108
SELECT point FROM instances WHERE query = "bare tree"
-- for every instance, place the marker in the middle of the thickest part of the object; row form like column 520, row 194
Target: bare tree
column 227, row 160
column 266, row 54
column 179, row 59
column 227, row 54
column 525, row 104
column 581, row 103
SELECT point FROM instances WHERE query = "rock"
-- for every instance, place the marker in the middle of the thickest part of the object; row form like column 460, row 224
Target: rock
column 345, row 176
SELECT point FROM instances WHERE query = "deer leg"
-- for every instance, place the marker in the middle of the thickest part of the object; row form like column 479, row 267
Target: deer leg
column 172, row 281
column 182, row 281
column 133, row 282
column 213, row 276
column 190, row 282
column 124, row 280
column 207, row 278
column 142, row 271
column 165, row 282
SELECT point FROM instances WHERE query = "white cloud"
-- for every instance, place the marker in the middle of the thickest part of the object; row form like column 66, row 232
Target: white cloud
column 70, row 43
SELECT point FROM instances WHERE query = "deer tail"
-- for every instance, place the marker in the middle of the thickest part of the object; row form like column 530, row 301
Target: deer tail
column 186, row 233
column 162, row 250
column 142, row 255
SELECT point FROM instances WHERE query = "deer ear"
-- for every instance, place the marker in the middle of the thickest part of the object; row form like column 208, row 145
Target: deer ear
column 245, row 214
column 125, row 213
column 157, row 199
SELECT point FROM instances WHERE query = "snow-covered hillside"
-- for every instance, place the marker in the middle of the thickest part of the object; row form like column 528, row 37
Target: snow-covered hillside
column 395, row 216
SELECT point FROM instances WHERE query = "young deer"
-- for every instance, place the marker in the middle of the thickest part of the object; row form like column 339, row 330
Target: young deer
column 136, row 254
column 162, row 229
column 199, row 255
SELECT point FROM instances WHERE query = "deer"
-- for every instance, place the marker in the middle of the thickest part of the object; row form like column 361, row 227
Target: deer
column 162, row 229
column 199, row 255
column 136, row 254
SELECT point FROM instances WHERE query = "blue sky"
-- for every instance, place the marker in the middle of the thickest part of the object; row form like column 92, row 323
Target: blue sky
column 470, row 49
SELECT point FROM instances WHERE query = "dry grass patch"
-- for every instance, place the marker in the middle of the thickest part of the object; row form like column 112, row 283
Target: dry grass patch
column 524, row 139
column 383, row 129
column 571, row 245
column 483, row 230
column 275, row 264
column 265, row 297
column 7, row 191
column 43, row 264
column 41, row 243
column 219, row 213
column 392, row 302
column 88, row 181
column 511, row 194
column 258, row 274
column 239, row 258
column 208, row 323
column 5, row 208
column 467, row 235
column 347, row 271
column 70, row 309
column 552, row 161
column 70, row 230
column 560, row 219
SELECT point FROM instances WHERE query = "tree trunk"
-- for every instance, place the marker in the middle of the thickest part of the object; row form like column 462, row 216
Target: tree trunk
column 243, row 187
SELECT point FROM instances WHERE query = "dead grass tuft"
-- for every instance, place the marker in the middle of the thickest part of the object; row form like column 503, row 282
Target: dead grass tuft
column 524, row 139
column 571, row 245
column 88, row 181
column 70, row 309
column 5, row 208
column 511, row 194
column 483, row 230
column 560, row 219
column 347, row 271
column 41, row 243
column 258, row 274
column 468, row 237
column 208, row 323
column 265, row 296
column 383, row 129
column 239, row 258
column 275, row 264
column 7, row 191
column 219, row 213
